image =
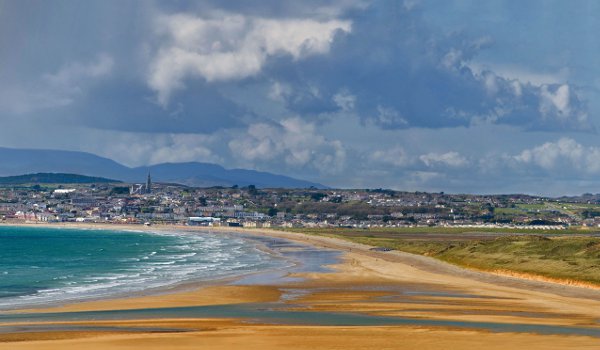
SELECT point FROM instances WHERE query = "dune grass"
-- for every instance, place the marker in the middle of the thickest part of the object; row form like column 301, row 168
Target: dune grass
column 564, row 257
column 440, row 230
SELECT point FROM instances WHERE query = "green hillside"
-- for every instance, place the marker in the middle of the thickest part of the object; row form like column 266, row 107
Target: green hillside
column 53, row 178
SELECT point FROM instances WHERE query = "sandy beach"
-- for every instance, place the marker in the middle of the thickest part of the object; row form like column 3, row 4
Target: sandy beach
column 443, row 305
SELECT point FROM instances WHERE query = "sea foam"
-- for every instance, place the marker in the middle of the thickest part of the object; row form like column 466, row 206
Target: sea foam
column 42, row 266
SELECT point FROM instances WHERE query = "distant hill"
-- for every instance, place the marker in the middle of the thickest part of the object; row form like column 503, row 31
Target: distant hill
column 206, row 175
column 30, row 161
column 54, row 178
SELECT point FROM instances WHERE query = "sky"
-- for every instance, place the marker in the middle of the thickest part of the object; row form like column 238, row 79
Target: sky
column 460, row 96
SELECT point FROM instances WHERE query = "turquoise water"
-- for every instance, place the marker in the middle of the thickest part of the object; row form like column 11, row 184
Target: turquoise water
column 42, row 266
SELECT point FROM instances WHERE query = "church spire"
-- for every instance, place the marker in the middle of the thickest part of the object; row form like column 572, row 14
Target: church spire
column 149, row 184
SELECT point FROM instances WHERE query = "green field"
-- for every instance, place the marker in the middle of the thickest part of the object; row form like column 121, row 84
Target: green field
column 437, row 229
column 564, row 257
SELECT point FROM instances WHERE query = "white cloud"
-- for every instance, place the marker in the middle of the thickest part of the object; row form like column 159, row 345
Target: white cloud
column 387, row 116
column 293, row 141
column 517, row 88
column 345, row 100
column 490, row 82
column 228, row 46
column 557, row 106
column 279, row 91
column 136, row 149
column 338, row 7
column 452, row 59
column 555, row 102
column 183, row 148
column 395, row 156
column 522, row 74
column 452, row 159
column 564, row 154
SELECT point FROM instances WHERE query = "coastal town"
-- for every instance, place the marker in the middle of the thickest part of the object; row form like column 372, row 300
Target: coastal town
column 161, row 203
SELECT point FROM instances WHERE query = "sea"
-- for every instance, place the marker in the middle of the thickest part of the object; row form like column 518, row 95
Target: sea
column 42, row 266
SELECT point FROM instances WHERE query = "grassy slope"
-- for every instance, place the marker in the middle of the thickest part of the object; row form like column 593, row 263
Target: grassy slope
column 564, row 258
column 436, row 229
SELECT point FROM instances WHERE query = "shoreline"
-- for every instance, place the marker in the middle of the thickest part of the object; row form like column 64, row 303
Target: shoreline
column 183, row 286
column 524, row 279
column 365, row 282
column 344, row 246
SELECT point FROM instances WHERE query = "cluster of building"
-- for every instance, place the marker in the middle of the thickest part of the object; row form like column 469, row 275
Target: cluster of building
column 251, row 207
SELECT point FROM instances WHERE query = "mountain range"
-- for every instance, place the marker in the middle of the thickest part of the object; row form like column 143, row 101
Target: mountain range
column 27, row 161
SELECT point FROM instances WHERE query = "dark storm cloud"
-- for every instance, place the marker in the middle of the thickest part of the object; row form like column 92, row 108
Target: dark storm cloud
column 404, row 73
column 39, row 36
column 394, row 69
column 130, row 106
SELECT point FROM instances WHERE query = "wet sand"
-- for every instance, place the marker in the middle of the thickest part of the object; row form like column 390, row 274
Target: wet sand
column 366, row 282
